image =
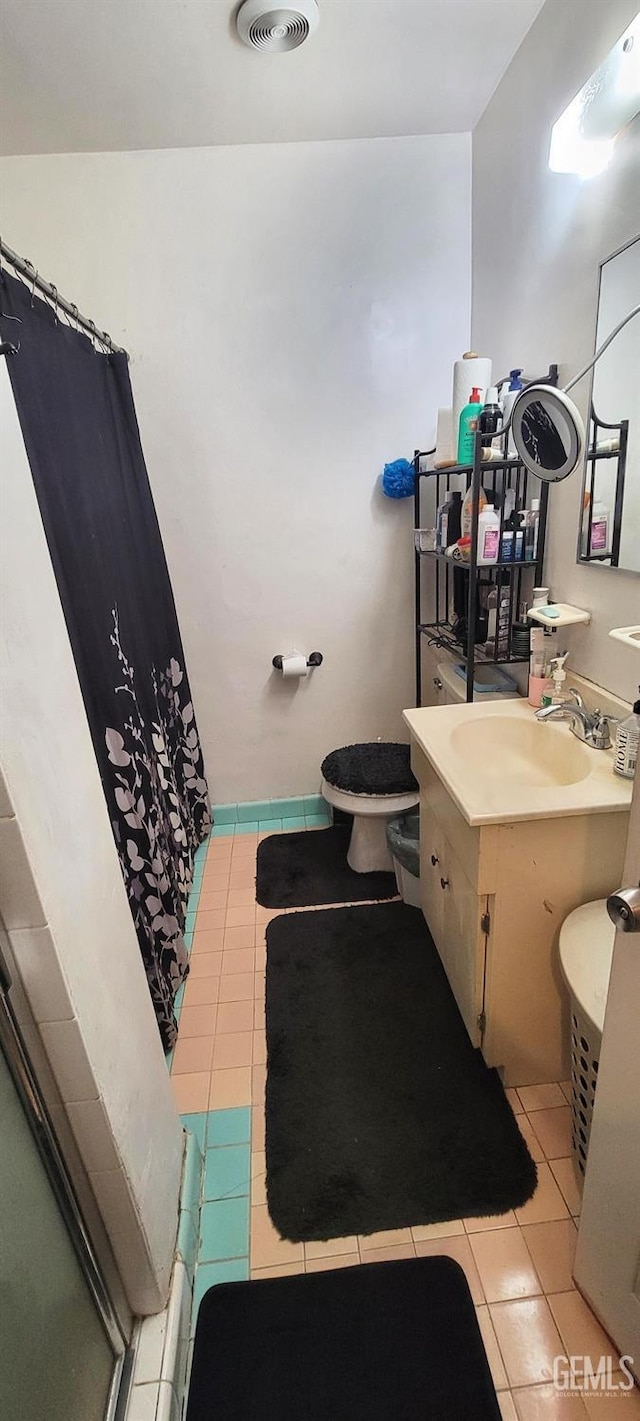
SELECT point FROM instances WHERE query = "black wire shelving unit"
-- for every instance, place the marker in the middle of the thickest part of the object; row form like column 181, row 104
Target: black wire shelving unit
column 458, row 583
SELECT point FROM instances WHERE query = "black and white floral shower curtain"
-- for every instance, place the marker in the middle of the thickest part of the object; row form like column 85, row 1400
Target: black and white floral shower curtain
column 79, row 424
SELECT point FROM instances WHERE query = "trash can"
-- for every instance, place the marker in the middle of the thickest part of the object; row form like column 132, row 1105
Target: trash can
column 403, row 838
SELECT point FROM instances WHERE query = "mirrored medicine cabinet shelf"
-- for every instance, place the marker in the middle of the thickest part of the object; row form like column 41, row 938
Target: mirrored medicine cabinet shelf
column 609, row 531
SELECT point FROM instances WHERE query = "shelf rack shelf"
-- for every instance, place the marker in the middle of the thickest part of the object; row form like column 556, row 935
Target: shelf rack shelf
column 455, row 586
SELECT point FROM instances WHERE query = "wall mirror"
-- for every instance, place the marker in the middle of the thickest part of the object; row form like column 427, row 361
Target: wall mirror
column 609, row 533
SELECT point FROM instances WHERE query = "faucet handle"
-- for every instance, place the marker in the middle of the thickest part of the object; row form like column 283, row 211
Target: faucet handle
column 601, row 733
column 576, row 697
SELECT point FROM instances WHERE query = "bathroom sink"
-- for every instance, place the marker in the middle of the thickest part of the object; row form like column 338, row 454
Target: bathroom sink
column 500, row 765
column 526, row 752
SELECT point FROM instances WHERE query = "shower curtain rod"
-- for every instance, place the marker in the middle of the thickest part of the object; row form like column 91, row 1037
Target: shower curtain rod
column 27, row 269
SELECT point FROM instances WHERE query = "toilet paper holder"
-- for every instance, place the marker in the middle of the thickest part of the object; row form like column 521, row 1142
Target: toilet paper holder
column 315, row 659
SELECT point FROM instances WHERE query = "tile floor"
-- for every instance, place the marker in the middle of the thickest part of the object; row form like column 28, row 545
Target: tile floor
column 518, row 1265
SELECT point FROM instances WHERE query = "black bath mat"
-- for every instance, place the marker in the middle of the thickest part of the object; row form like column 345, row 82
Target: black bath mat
column 379, row 1112
column 379, row 1342
column 300, row 870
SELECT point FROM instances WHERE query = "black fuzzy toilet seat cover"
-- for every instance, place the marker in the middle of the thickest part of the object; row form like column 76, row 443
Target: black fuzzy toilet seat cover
column 379, row 767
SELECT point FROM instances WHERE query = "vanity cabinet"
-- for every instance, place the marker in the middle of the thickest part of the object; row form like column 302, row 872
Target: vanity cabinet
column 494, row 898
column 457, row 916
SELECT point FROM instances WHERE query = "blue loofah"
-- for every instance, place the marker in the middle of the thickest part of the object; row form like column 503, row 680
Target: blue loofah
column 398, row 479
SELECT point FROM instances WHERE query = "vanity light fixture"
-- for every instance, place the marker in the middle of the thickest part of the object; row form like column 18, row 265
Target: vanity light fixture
column 583, row 139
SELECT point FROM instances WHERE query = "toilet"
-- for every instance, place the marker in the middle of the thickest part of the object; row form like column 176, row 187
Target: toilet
column 373, row 782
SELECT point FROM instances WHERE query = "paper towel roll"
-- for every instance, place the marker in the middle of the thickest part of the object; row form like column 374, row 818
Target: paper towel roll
column 471, row 370
column 294, row 665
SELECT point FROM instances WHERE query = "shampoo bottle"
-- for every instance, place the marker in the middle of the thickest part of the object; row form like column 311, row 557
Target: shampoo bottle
column 490, row 419
column 468, row 426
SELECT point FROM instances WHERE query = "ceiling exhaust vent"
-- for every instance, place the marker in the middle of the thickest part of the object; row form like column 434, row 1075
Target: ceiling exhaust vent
column 272, row 31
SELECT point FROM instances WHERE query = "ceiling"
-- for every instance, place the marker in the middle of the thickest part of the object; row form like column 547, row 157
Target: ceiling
column 103, row 75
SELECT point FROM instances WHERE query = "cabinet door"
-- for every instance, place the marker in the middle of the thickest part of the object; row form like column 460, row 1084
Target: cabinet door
column 431, row 858
column 462, row 944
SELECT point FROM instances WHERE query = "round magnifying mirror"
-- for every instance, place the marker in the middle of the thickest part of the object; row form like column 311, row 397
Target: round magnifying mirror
column 548, row 432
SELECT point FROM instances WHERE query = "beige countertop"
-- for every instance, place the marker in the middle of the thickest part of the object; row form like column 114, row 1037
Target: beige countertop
column 501, row 765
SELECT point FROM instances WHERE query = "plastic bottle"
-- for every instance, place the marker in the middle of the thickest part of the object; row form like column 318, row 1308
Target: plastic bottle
column 488, row 536
column 448, row 522
column 627, row 741
column 512, row 545
column 468, row 425
column 490, row 420
column 509, row 398
column 467, row 510
column 518, row 547
column 537, row 678
column 498, row 605
column 532, row 518
column 600, row 530
column 554, row 693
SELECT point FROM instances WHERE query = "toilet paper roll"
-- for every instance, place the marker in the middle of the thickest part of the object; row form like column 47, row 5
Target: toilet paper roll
column 294, row 665
column 471, row 370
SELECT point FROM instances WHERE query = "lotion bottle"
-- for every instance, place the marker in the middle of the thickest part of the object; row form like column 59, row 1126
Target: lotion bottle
column 468, row 426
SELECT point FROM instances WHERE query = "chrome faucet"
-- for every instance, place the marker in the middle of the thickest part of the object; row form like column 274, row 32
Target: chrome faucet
column 592, row 727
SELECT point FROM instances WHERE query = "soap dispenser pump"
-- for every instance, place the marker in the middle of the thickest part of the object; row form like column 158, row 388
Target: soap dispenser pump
column 554, row 693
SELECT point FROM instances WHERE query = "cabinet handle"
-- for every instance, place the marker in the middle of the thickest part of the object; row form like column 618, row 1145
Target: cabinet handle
column 434, row 859
column 437, row 683
column 444, row 882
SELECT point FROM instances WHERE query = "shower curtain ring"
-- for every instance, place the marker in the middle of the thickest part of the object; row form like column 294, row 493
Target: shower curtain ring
column 55, row 309
column 94, row 333
column 33, row 279
column 74, row 316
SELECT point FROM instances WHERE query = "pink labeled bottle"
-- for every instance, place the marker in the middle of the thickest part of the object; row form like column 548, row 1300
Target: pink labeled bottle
column 488, row 536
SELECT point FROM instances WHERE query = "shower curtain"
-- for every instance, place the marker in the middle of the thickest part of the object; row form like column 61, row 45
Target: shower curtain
column 79, row 424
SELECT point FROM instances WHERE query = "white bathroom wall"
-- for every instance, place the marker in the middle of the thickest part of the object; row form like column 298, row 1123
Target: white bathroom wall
column 63, row 903
column 292, row 313
column 538, row 239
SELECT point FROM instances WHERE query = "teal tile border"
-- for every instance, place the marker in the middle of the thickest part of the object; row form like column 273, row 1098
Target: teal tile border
column 224, row 1229
column 317, row 821
column 197, row 1125
column 315, row 804
column 297, row 822
column 253, row 810
column 191, row 1191
column 226, row 813
column 227, row 1172
column 269, row 826
column 249, row 827
column 219, row 1228
column 228, row 1127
